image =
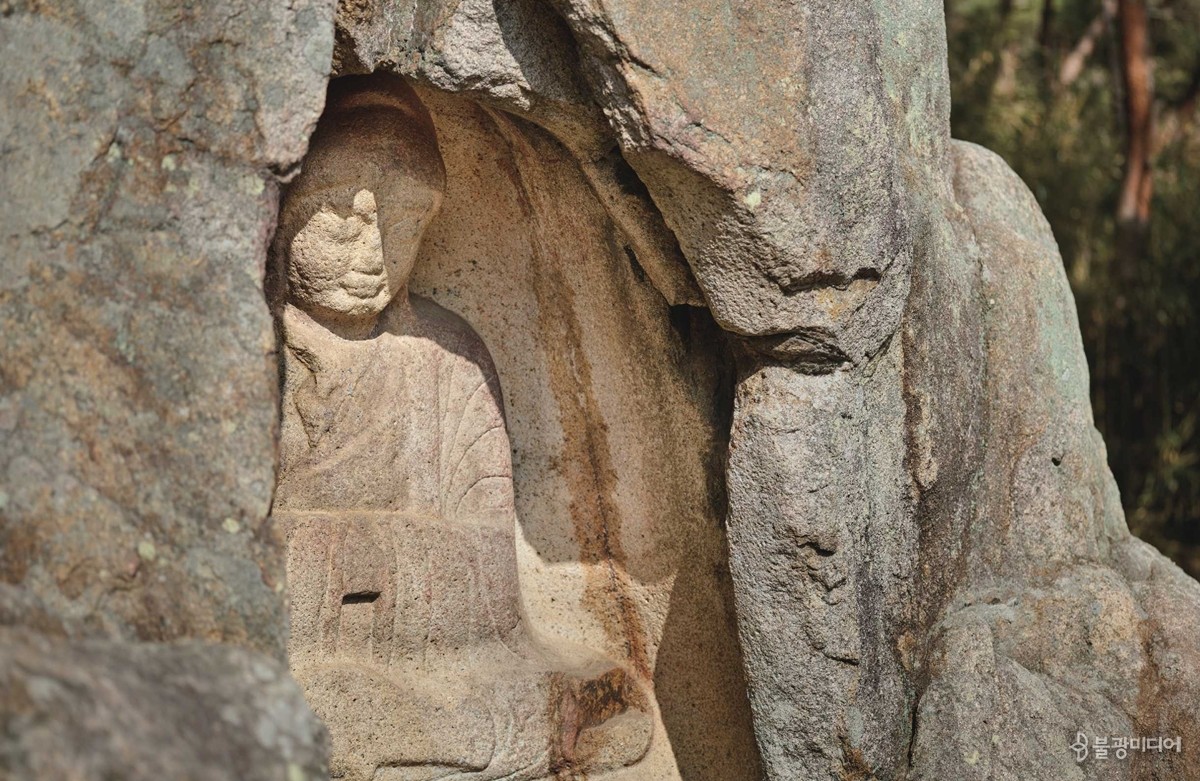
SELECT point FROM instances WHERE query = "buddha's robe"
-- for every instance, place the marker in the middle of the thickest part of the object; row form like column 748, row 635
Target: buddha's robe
column 395, row 489
column 395, row 492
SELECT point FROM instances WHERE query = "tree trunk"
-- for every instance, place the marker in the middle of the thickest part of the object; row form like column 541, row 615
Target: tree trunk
column 1072, row 64
column 1137, row 75
column 1046, row 28
column 1186, row 106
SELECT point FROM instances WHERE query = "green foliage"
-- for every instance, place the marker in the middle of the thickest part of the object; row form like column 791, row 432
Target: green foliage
column 1137, row 294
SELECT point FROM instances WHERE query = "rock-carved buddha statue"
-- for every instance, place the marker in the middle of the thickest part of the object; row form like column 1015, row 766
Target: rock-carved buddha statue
column 395, row 490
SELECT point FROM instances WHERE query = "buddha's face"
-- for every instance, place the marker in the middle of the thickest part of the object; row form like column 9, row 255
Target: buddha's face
column 352, row 223
column 335, row 261
column 354, row 246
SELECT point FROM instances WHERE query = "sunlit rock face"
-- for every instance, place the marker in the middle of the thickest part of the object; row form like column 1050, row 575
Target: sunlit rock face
column 638, row 391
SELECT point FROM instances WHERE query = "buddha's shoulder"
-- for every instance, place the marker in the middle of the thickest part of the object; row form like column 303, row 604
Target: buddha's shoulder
column 437, row 324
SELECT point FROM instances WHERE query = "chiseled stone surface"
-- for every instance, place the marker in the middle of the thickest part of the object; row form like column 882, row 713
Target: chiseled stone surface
column 521, row 57
column 395, row 488
column 616, row 407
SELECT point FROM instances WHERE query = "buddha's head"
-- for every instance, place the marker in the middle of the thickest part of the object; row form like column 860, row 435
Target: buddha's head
column 351, row 223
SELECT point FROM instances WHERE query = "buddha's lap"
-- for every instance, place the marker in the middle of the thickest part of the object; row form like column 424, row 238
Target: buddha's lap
column 422, row 581
column 454, row 717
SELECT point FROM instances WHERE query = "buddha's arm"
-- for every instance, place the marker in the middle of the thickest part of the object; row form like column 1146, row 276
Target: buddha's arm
column 476, row 460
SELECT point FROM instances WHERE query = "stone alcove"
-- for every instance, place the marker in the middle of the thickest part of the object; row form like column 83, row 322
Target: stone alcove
column 617, row 408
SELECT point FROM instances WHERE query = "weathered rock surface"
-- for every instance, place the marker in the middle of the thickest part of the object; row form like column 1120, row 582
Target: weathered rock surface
column 139, row 389
column 926, row 555
column 1060, row 622
column 140, row 146
column 765, row 136
column 99, row 709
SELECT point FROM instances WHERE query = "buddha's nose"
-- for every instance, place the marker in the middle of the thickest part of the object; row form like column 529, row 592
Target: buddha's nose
column 370, row 251
column 364, row 204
